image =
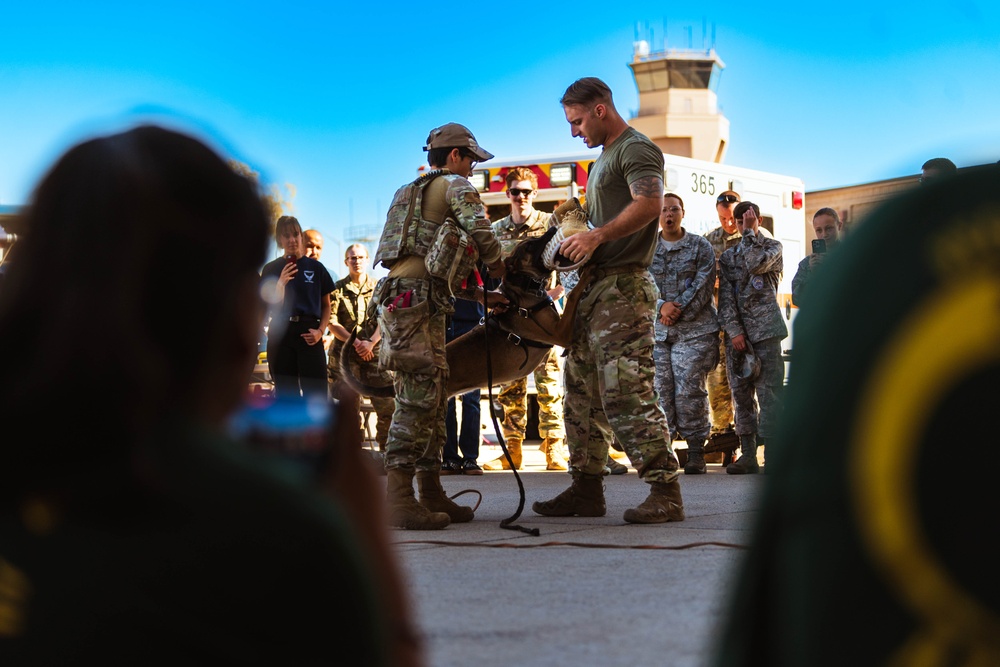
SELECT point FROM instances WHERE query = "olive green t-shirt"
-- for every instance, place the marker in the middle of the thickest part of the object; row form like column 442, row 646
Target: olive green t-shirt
column 629, row 157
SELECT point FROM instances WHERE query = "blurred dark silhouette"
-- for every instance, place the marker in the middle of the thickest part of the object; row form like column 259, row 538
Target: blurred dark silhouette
column 132, row 529
column 872, row 545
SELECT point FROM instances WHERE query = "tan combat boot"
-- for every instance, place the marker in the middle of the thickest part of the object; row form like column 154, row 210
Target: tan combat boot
column 663, row 504
column 554, row 459
column 433, row 497
column 747, row 463
column 404, row 510
column 695, row 464
column 514, row 447
column 584, row 497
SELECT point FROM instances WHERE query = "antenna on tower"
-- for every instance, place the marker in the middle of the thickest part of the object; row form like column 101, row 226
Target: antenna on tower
column 704, row 33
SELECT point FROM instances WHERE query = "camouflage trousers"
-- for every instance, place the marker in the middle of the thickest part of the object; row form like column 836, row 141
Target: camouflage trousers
column 764, row 391
column 513, row 397
column 609, row 380
column 720, row 395
column 681, row 369
column 384, row 409
column 420, row 378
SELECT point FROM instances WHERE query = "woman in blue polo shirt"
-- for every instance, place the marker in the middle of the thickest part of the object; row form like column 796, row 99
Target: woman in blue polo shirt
column 298, row 288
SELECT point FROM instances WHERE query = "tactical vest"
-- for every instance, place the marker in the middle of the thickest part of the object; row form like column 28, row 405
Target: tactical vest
column 406, row 232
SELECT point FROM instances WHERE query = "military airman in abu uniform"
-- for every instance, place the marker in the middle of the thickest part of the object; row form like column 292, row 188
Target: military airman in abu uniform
column 435, row 232
column 749, row 313
column 525, row 222
column 686, row 330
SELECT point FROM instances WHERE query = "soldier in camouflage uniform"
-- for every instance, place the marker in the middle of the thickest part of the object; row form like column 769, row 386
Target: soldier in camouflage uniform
column 609, row 370
column 749, row 313
column 435, row 231
column 723, row 237
column 349, row 303
column 686, row 330
column 525, row 222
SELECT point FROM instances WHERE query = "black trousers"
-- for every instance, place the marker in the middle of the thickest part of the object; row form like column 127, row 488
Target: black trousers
column 296, row 367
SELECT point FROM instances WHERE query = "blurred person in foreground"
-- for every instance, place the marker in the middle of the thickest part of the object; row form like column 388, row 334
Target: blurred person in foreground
column 163, row 541
column 867, row 548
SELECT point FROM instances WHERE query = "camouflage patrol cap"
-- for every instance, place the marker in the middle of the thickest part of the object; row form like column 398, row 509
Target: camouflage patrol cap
column 746, row 364
column 454, row 135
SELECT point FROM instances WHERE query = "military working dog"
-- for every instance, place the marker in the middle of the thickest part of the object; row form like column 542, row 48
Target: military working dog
column 512, row 340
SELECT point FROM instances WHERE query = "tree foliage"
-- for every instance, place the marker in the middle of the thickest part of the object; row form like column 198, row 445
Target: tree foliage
column 278, row 200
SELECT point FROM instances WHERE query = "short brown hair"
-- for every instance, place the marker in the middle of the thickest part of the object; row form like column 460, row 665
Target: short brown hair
column 521, row 174
column 827, row 211
column 284, row 223
column 586, row 92
column 742, row 207
column 675, row 196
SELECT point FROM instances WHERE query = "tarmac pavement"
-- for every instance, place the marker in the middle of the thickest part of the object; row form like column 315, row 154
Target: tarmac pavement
column 584, row 591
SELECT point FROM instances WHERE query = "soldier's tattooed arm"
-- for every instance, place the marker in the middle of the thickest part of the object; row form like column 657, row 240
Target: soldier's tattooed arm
column 647, row 200
column 649, row 186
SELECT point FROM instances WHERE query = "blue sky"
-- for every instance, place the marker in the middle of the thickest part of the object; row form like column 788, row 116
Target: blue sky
column 337, row 100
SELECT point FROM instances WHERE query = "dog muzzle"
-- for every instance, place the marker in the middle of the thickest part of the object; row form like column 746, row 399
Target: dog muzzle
column 571, row 218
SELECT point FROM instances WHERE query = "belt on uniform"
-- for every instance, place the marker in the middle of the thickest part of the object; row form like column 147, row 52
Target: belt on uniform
column 590, row 276
column 600, row 273
column 304, row 318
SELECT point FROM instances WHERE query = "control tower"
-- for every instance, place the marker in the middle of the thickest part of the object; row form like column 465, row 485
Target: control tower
column 678, row 107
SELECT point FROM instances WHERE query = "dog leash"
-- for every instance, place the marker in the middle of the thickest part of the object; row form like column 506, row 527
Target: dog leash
column 507, row 523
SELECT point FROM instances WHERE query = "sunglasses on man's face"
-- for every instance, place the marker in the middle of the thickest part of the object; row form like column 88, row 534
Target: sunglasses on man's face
column 517, row 192
column 727, row 199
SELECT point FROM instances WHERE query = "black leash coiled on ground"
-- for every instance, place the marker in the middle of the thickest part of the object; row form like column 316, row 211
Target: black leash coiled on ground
column 507, row 523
